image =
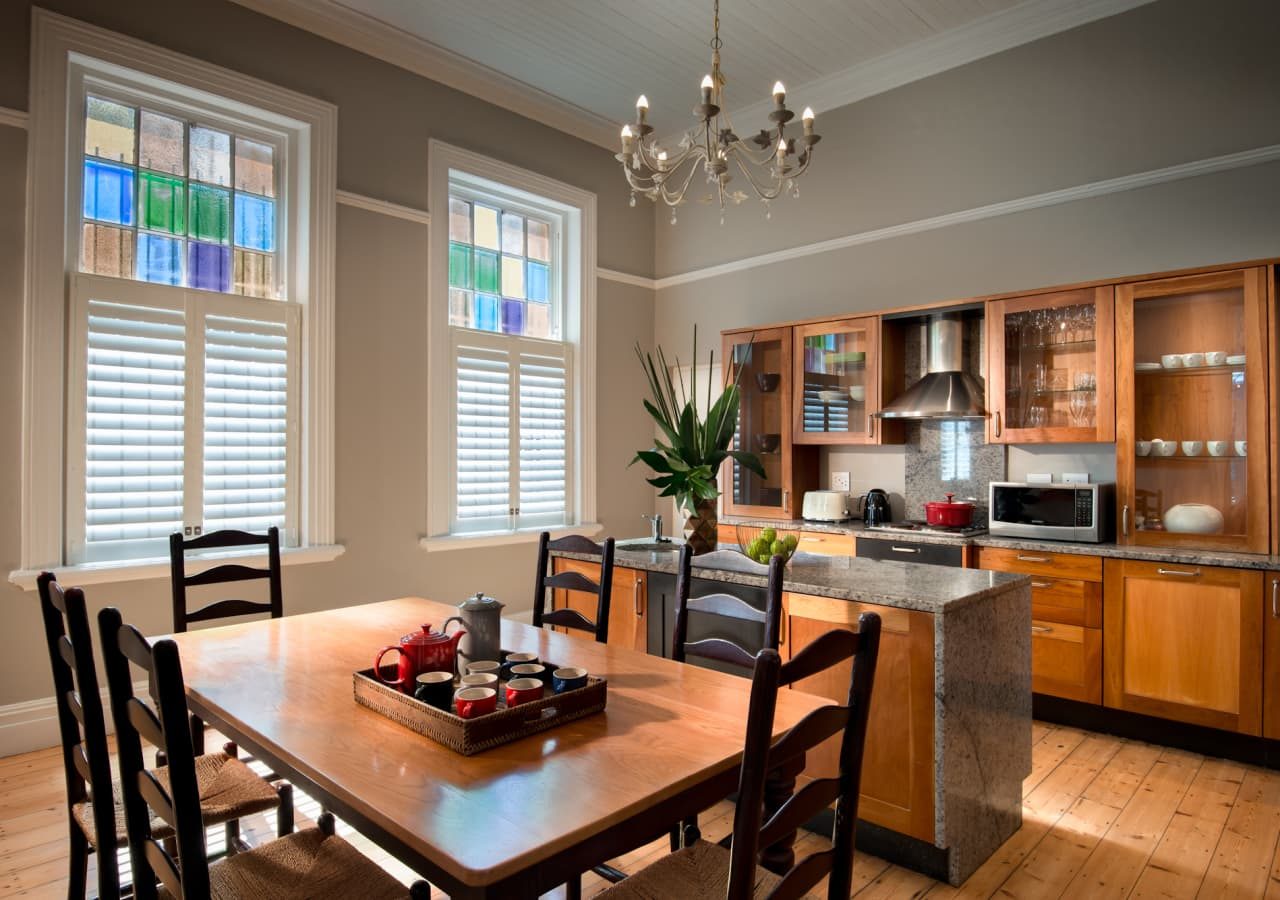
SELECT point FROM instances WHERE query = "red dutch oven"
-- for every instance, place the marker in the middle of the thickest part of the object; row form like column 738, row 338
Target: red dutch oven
column 949, row 513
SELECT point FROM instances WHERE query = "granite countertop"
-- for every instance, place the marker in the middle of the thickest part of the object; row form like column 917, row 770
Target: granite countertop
column 932, row 589
column 1174, row 555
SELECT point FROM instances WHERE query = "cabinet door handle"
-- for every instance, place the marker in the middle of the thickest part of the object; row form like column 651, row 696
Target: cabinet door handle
column 1042, row 584
column 1041, row 629
column 1124, row 521
column 1180, row 572
column 871, row 426
column 998, row 428
column 786, row 496
column 897, row 549
column 636, row 594
column 1035, row 559
column 1275, row 598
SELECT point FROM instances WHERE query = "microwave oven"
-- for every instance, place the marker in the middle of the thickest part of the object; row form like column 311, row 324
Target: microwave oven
column 1056, row 512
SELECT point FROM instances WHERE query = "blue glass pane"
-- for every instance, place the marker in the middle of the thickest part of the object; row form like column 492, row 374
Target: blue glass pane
column 108, row 192
column 255, row 223
column 159, row 259
column 536, row 281
column 487, row 311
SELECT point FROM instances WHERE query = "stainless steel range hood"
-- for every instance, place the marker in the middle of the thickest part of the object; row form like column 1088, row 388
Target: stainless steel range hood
column 946, row 392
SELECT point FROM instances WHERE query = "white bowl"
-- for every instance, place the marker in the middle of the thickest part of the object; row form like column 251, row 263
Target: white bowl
column 1142, row 448
column 1164, row 448
column 1242, row 448
column 1217, row 448
column 1192, row 448
column 1171, row 360
column 1192, row 360
column 832, row 396
column 1193, row 518
column 1216, row 358
column 1236, row 359
column 857, row 392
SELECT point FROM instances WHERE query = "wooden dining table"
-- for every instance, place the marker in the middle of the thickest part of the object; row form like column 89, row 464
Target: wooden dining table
column 513, row 821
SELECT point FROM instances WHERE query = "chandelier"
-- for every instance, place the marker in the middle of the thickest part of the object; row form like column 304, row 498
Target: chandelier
column 770, row 161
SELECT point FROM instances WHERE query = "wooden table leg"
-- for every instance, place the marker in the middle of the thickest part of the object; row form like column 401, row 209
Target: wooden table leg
column 779, row 785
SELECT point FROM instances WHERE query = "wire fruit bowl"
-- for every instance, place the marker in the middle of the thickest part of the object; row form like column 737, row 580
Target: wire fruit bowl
column 766, row 542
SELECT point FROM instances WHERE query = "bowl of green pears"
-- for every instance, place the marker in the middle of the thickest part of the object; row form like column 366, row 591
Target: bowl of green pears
column 762, row 544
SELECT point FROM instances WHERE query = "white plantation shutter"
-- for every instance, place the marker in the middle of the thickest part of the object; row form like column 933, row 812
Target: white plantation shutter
column 185, row 420
column 512, row 394
column 133, row 429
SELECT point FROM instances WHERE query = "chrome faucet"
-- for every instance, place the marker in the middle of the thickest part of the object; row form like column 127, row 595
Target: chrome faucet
column 656, row 523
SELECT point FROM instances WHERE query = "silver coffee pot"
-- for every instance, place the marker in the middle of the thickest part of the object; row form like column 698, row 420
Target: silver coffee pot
column 481, row 617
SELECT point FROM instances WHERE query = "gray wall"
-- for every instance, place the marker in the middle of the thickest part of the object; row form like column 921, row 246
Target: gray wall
column 386, row 116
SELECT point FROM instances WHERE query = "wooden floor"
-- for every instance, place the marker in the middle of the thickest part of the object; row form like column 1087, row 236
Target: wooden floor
column 1102, row 817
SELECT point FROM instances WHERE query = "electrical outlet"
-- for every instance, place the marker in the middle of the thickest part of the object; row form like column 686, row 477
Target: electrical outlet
column 839, row 481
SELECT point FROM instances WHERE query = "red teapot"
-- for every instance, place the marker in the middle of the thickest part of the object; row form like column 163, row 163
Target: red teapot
column 424, row 651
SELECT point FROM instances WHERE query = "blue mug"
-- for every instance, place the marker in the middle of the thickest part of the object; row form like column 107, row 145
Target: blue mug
column 568, row 679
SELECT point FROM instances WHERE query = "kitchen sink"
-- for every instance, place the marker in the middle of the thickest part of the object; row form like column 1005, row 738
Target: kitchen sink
column 649, row 546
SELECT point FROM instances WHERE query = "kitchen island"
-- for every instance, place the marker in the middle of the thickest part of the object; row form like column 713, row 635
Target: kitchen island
column 949, row 739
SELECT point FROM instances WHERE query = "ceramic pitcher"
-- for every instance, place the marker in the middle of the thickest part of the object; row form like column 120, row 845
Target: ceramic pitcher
column 481, row 616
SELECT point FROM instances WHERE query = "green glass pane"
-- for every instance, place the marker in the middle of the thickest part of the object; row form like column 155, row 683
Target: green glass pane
column 459, row 266
column 162, row 203
column 108, row 130
column 487, row 271
column 210, row 214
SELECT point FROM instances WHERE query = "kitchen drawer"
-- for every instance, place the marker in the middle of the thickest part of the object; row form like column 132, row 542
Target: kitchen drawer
column 910, row 551
column 1066, row 600
column 1066, row 661
column 727, row 536
column 825, row 544
column 1041, row 562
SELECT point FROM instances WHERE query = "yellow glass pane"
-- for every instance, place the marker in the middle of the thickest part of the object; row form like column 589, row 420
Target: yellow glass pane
column 486, row 226
column 108, row 130
column 512, row 276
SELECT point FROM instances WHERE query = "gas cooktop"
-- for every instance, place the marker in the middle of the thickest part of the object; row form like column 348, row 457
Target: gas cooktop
column 924, row 527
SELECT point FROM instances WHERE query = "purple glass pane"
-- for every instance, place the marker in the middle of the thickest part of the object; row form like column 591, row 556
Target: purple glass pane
column 208, row 266
column 513, row 317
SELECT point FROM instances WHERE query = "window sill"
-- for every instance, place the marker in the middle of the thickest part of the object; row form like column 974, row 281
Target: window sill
column 498, row 539
column 145, row 569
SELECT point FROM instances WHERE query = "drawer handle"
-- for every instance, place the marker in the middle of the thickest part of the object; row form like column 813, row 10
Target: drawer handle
column 1036, row 559
column 1180, row 572
column 1041, row 629
column 897, row 549
column 1275, row 598
column 1042, row 584
column 636, row 595
column 811, row 539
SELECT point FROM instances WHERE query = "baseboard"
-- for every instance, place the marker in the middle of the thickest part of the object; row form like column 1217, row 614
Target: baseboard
column 33, row 724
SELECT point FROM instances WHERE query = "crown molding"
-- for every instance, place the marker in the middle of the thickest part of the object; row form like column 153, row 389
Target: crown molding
column 370, row 36
column 384, row 207
column 980, row 38
column 1207, row 166
column 639, row 281
column 14, row 118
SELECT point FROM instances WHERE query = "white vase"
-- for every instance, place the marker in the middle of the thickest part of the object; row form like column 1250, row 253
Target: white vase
column 1193, row 518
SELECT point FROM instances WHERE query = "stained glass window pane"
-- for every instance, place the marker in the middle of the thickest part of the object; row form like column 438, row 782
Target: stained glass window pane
column 512, row 234
column 211, row 156
column 162, row 203
column 255, row 225
column 487, row 271
column 108, row 130
column 106, row 251
column 512, row 277
column 539, row 241
column 254, row 274
column 513, row 317
column 487, row 313
column 539, row 277
column 459, row 308
column 161, row 144
column 459, row 220
column 208, row 266
column 108, row 192
column 210, row 213
column 486, row 227
column 159, row 259
column 255, row 167
column 538, row 320
column 459, row 266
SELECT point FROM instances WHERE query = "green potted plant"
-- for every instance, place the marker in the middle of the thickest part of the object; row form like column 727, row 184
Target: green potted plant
column 687, row 455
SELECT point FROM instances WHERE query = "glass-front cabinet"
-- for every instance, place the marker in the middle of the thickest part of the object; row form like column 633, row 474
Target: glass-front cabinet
column 1191, row 411
column 763, row 357
column 1049, row 370
column 837, row 381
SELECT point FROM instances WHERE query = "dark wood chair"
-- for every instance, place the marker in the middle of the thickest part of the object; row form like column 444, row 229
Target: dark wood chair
column 222, row 574
column 311, row 863
column 709, row 870
column 574, row 581
column 95, row 811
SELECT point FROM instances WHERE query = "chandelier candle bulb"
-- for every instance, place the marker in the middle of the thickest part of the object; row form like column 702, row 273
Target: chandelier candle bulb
column 642, row 108
column 807, row 119
column 779, row 93
column 707, row 86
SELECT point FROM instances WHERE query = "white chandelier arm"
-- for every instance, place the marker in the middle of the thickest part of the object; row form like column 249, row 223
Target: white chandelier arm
column 771, row 193
column 673, row 199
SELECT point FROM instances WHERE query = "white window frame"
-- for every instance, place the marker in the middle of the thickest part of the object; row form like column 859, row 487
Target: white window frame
column 480, row 177
column 63, row 52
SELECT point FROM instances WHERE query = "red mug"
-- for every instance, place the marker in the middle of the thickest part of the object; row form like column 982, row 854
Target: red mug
column 423, row 651
column 477, row 701
column 523, row 690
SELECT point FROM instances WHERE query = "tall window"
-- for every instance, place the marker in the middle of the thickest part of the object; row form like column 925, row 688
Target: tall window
column 183, row 393
column 508, row 449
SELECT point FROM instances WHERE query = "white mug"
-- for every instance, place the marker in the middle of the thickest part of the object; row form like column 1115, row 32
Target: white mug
column 1171, row 360
column 1192, row 360
column 1216, row 448
column 1192, row 448
column 1142, row 448
column 1242, row 448
column 1164, row 448
column 1216, row 358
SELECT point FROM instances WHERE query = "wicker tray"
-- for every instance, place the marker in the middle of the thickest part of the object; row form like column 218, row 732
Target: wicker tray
column 469, row 736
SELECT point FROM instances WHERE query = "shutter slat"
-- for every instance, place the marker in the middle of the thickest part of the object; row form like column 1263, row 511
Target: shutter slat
column 482, row 497
column 544, row 467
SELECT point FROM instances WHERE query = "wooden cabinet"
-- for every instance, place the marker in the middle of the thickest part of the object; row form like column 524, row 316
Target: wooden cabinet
column 1050, row 359
column 1184, row 642
column 836, row 385
column 1208, row 413
column 1066, row 612
column 897, row 768
column 628, row 603
column 763, row 356
column 1271, row 657
column 825, row 544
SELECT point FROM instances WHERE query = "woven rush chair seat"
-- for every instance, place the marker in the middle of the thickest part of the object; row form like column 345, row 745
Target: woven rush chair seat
column 306, row 865
column 698, row 872
column 228, row 790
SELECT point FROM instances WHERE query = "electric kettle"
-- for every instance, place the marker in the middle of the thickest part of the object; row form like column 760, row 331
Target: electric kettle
column 875, row 508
